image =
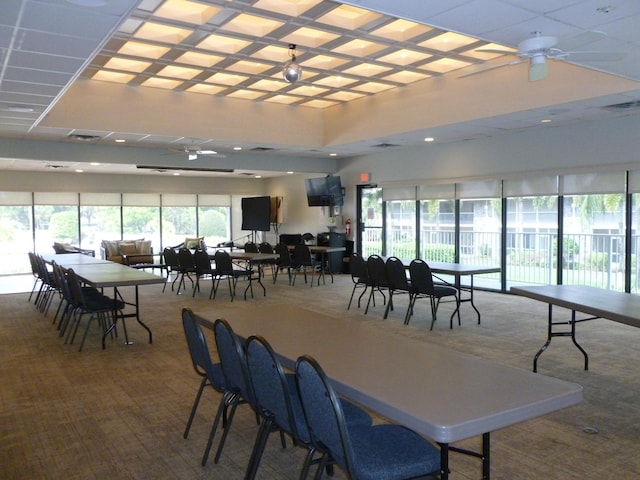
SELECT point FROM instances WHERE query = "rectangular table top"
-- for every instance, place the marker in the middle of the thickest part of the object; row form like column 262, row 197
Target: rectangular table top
column 249, row 256
column 452, row 268
column 69, row 259
column 443, row 394
column 617, row 306
column 110, row 274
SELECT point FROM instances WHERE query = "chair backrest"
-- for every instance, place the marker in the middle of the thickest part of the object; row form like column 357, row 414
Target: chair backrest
column 34, row 264
column 421, row 277
column 250, row 247
column 198, row 348
column 60, row 274
column 170, row 257
column 358, row 268
column 185, row 257
column 271, row 389
column 377, row 270
column 75, row 289
column 285, row 255
column 202, row 262
column 323, row 412
column 224, row 264
column 265, row 247
column 396, row 274
column 233, row 361
column 302, row 255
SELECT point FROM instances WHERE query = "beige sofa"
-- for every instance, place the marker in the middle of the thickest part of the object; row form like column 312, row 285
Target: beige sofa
column 135, row 251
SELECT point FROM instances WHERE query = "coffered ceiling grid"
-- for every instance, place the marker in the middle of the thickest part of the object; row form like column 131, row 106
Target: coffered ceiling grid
column 237, row 49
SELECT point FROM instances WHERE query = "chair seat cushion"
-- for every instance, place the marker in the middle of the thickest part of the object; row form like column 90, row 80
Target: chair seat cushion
column 444, row 291
column 392, row 452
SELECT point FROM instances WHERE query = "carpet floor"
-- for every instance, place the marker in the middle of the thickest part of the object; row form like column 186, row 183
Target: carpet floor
column 119, row 413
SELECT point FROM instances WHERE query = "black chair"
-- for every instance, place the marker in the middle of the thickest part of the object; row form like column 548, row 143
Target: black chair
column 225, row 269
column 203, row 269
column 278, row 403
column 379, row 452
column 187, row 267
column 398, row 282
column 203, row 365
column 251, row 247
column 237, row 384
column 359, row 276
column 172, row 262
column 96, row 305
column 378, row 278
column 303, row 261
column 423, row 286
column 284, row 261
column 35, row 272
column 265, row 247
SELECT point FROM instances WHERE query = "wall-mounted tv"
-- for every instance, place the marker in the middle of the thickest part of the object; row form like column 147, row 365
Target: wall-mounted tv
column 324, row 191
column 256, row 213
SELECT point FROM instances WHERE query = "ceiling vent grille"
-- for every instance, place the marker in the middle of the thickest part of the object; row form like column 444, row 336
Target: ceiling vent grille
column 83, row 138
column 184, row 169
column 261, row 149
column 385, row 145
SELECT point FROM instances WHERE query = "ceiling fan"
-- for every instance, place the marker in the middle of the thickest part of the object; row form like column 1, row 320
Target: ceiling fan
column 537, row 49
column 194, row 151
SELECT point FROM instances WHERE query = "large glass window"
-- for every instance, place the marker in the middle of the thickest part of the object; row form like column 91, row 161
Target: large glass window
column 593, row 243
column 532, row 230
column 214, row 218
column 437, row 223
column 16, row 232
column 56, row 220
column 99, row 219
column 480, row 227
column 141, row 218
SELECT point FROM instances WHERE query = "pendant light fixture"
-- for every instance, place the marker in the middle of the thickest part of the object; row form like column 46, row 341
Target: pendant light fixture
column 292, row 72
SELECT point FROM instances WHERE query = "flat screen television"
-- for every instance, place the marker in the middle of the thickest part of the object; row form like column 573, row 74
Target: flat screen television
column 324, row 191
column 256, row 213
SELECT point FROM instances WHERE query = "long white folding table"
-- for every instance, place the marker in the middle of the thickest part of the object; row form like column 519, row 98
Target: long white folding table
column 443, row 394
column 252, row 258
column 104, row 274
column 599, row 303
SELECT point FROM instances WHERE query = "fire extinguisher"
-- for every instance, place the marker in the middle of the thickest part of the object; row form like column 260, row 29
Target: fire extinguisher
column 347, row 227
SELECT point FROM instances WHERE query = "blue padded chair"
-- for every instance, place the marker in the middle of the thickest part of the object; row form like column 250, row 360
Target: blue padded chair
column 237, row 385
column 278, row 403
column 423, row 286
column 380, row 452
column 203, row 365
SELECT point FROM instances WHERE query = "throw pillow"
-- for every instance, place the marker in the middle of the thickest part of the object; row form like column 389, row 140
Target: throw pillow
column 127, row 248
column 193, row 242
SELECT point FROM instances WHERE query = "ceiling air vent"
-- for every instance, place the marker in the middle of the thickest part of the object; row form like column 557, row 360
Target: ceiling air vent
column 83, row 138
column 385, row 145
column 623, row 107
column 184, row 169
column 261, row 149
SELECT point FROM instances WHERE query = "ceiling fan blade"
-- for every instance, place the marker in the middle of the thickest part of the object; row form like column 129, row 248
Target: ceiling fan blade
column 593, row 56
column 497, row 50
column 487, row 69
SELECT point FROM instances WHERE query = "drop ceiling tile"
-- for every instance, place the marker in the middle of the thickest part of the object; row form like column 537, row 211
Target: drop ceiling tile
column 37, row 76
column 55, row 44
column 38, row 61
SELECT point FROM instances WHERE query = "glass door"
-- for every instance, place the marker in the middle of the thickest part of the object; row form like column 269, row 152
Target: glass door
column 371, row 220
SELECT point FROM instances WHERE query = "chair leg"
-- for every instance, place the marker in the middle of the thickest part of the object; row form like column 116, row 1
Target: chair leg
column 222, row 406
column 258, row 448
column 351, row 298
column 194, row 407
